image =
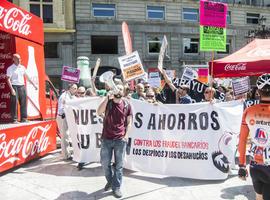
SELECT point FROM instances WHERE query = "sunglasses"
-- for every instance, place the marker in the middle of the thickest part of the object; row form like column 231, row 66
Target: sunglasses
column 206, row 92
column 150, row 96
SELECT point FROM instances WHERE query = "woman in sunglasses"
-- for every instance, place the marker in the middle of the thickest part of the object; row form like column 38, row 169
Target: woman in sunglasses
column 209, row 95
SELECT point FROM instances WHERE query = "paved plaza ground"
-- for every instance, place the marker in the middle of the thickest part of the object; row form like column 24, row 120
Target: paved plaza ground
column 54, row 179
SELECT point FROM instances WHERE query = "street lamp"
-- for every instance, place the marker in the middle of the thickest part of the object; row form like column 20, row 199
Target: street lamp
column 261, row 32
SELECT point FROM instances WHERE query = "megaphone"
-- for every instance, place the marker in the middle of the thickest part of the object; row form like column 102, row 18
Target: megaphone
column 107, row 78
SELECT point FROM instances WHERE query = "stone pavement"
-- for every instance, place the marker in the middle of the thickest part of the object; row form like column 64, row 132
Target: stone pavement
column 52, row 178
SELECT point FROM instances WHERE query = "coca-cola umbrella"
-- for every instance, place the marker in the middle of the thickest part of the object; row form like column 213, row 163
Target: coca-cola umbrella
column 251, row 60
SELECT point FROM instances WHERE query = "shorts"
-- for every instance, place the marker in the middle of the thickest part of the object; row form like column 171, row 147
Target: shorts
column 260, row 175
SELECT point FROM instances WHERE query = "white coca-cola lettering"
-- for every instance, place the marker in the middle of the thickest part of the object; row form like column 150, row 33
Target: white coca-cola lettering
column 5, row 56
column 2, row 65
column 35, row 142
column 2, row 76
column 3, row 105
column 235, row 67
column 2, row 86
column 2, row 45
column 5, row 95
column 15, row 20
column 258, row 51
column 5, row 115
column 4, row 36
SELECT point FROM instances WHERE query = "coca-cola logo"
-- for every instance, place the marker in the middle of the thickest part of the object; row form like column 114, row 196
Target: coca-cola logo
column 5, row 115
column 5, row 95
column 15, row 19
column 236, row 67
column 5, row 56
column 259, row 52
column 3, row 105
column 4, row 36
column 35, row 142
column 3, row 76
column 2, row 86
column 2, row 65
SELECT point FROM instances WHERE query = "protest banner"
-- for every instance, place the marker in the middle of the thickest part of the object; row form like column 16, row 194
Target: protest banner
column 70, row 74
column 241, row 85
column 131, row 66
column 196, row 138
column 212, row 38
column 162, row 52
column 196, row 89
column 213, row 13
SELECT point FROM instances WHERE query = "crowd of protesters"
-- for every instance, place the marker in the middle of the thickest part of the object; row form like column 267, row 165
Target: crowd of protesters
column 115, row 142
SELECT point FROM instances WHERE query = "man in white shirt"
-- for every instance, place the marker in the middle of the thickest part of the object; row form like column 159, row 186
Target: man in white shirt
column 15, row 79
column 61, row 119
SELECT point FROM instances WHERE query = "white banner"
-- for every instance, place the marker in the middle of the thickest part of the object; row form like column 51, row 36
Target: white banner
column 162, row 51
column 192, row 141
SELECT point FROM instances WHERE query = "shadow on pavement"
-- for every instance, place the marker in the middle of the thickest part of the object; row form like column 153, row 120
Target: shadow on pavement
column 83, row 195
column 171, row 181
column 100, row 194
column 232, row 192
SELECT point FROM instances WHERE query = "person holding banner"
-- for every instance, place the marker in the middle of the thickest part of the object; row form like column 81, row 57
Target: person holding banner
column 62, row 121
column 117, row 122
column 255, row 121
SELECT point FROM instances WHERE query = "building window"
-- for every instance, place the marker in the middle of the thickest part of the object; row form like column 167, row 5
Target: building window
column 154, row 44
column 51, row 50
column 228, row 45
column 104, row 44
column 253, row 18
column 103, row 10
column 229, row 17
column 156, row 12
column 191, row 14
column 191, row 45
column 42, row 9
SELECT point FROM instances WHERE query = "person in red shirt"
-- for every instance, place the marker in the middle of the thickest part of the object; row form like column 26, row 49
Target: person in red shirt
column 256, row 123
column 116, row 125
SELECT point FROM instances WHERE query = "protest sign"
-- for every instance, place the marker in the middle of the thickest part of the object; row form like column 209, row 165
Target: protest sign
column 96, row 67
column 212, row 38
column 189, row 74
column 162, row 53
column 70, row 74
column 154, row 79
column 213, row 14
column 241, row 85
column 203, row 75
column 131, row 66
column 196, row 138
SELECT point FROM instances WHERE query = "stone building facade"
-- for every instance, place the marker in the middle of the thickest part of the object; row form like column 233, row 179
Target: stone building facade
column 99, row 35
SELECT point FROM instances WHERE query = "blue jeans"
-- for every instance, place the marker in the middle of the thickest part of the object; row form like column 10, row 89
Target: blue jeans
column 113, row 173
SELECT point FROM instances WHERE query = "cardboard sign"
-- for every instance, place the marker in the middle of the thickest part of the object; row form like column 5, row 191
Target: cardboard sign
column 162, row 53
column 189, row 74
column 213, row 13
column 212, row 38
column 70, row 74
column 131, row 66
column 154, row 79
column 241, row 85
